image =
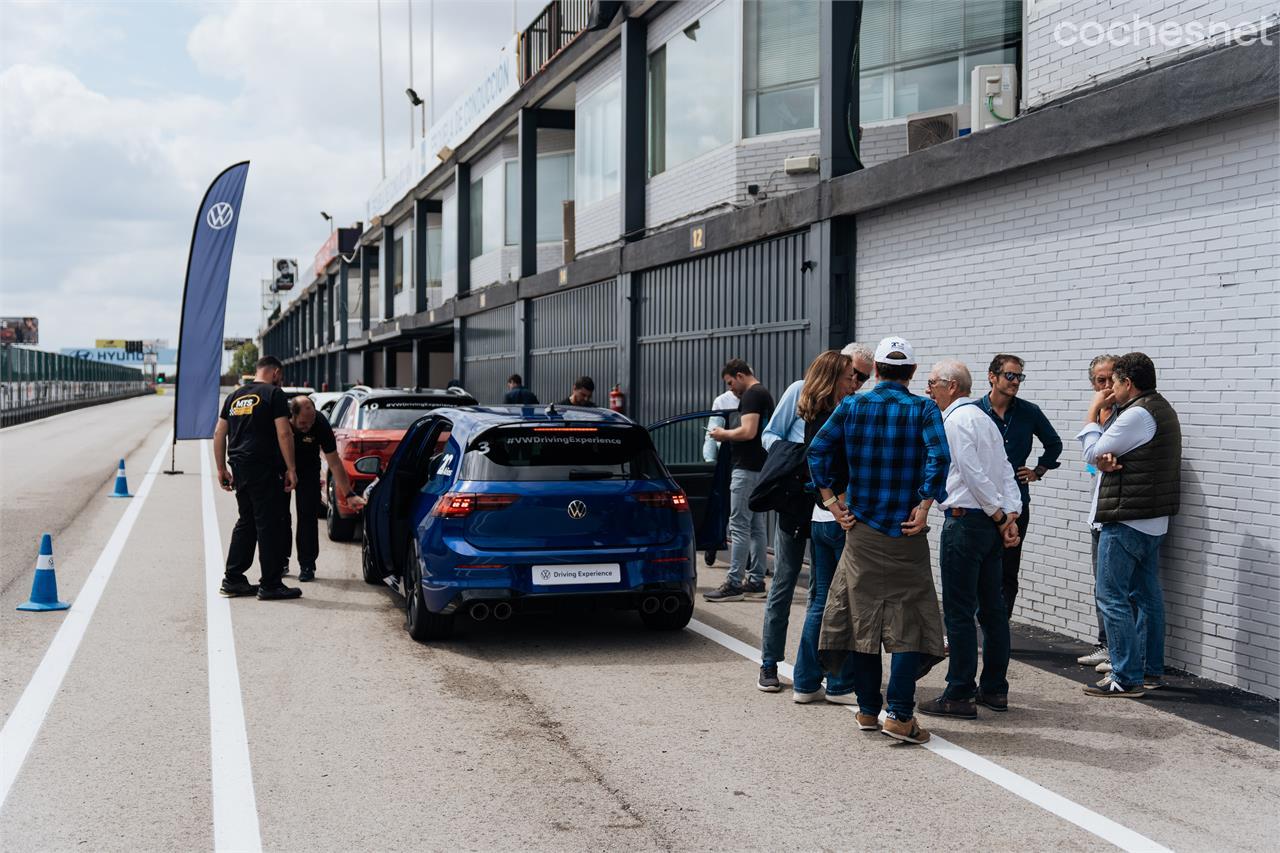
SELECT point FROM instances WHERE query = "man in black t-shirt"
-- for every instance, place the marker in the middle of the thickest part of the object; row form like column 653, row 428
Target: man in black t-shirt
column 254, row 435
column 517, row 394
column 313, row 436
column 748, row 539
column 583, row 388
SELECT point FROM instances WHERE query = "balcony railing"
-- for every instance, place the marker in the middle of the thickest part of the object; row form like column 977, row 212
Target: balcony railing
column 552, row 31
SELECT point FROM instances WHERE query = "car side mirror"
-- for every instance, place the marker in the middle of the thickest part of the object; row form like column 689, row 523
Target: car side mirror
column 370, row 465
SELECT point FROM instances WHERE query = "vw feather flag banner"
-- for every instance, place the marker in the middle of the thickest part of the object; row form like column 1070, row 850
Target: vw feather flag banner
column 204, row 305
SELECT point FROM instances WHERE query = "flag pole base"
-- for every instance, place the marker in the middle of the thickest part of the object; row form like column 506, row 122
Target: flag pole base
column 173, row 452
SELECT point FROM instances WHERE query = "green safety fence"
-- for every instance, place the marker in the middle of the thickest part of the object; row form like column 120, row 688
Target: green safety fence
column 35, row 384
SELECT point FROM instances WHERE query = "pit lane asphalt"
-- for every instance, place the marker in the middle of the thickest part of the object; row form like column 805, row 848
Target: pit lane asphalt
column 566, row 734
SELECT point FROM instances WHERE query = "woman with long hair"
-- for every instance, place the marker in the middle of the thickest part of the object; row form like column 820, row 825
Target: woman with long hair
column 828, row 381
column 801, row 412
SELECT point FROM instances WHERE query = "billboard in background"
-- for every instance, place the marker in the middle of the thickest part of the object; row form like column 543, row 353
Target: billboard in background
column 120, row 355
column 19, row 330
column 284, row 274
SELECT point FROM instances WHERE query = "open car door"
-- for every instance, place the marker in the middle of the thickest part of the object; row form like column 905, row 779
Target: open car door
column 392, row 496
column 683, row 445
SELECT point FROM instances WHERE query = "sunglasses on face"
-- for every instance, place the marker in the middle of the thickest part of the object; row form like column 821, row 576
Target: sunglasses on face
column 860, row 376
column 1014, row 377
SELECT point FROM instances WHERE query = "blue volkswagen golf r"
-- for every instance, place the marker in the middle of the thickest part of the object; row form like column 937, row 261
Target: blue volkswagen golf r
column 490, row 511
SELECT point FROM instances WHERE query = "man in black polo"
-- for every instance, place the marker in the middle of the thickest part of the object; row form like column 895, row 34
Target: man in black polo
column 1018, row 421
column 253, row 433
column 313, row 436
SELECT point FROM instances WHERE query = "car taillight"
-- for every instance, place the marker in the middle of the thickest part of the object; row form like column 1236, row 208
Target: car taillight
column 664, row 500
column 356, row 448
column 461, row 504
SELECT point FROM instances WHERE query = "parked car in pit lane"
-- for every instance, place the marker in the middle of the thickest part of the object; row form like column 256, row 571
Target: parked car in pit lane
column 490, row 511
column 371, row 422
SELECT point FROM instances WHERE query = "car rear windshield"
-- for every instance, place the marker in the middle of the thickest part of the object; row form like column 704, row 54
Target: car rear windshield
column 562, row 453
column 395, row 412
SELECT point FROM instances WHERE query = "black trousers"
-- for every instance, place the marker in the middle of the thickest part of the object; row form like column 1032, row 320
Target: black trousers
column 307, row 505
column 1013, row 561
column 263, row 505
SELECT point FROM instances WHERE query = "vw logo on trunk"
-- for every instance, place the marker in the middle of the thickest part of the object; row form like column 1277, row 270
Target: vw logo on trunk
column 577, row 510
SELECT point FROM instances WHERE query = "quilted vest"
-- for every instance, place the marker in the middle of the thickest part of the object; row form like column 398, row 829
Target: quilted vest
column 1149, row 484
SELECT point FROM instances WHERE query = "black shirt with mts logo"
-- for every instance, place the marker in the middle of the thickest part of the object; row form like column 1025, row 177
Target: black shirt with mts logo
column 307, row 446
column 250, row 412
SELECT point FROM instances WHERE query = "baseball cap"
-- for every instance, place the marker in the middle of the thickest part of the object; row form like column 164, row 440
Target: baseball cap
column 896, row 346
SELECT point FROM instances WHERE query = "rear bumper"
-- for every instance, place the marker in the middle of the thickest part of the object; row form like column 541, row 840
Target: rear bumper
column 455, row 588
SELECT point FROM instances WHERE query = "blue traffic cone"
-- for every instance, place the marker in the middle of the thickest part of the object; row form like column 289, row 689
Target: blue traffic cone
column 44, row 589
column 122, row 484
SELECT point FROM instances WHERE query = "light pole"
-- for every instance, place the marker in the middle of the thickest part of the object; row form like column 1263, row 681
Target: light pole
column 329, row 219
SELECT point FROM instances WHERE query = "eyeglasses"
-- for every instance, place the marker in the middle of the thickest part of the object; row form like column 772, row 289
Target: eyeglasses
column 1014, row 377
column 932, row 382
column 862, row 377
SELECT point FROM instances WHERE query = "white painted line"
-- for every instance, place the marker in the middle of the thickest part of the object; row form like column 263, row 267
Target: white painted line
column 23, row 725
column 1088, row 820
column 235, row 809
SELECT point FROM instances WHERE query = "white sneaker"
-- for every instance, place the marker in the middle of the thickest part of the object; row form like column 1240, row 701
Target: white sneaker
column 1105, row 666
column 805, row 698
column 1099, row 654
column 842, row 699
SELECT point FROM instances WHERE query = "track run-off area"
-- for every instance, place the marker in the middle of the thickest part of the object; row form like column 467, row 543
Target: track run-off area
column 156, row 715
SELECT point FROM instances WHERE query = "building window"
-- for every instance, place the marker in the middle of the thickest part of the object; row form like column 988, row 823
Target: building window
column 597, row 142
column 555, row 187
column 397, row 265
column 780, row 66
column 916, row 55
column 449, row 234
column 689, row 114
column 477, row 219
column 435, row 273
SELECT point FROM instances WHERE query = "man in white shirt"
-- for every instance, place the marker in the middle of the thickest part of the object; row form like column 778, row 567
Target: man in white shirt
column 981, row 509
column 1140, row 457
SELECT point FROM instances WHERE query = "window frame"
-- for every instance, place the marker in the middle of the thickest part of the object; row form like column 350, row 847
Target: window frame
column 750, row 96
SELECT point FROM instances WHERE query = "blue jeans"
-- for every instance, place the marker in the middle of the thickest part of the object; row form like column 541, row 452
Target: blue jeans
column 903, row 670
column 788, row 553
column 828, row 545
column 748, row 539
column 972, row 567
column 1129, row 570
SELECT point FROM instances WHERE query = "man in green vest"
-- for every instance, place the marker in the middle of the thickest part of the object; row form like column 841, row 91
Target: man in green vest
column 1139, row 455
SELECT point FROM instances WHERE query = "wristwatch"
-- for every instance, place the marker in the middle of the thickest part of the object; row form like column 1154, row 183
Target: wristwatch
column 1004, row 516
column 1040, row 471
column 829, row 501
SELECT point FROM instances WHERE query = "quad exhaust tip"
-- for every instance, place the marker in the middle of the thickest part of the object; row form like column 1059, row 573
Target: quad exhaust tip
column 502, row 611
column 670, row 604
column 480, row 611
column 650, row 604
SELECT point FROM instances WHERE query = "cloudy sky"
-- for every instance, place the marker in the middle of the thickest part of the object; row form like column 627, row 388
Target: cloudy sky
column 114, row 118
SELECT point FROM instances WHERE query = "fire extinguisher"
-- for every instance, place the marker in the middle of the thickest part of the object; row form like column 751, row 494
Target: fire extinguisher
column 617, row 400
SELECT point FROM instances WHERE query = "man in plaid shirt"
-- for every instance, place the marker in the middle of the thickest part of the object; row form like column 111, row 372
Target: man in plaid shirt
column 895, row 447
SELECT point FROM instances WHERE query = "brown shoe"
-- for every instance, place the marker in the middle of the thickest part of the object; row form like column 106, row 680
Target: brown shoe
column 994, row 701
column 964, row 709
column 904, row 730
column 867, row 722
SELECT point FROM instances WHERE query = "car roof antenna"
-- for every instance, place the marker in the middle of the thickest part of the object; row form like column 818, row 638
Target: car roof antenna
column 551, row 410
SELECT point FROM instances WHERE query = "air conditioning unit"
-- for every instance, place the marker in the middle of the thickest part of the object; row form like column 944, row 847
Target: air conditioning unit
column 926, row 129
column 993, row 95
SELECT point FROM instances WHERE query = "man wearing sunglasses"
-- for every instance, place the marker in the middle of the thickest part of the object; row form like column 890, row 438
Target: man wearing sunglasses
column 1019, row 421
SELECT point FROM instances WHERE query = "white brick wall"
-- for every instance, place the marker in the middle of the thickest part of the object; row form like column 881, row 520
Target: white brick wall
column 1053, row 69
column 883, row 142
column 598, row 225
column 1168, row 246
column 759, row 161
column 699, row 185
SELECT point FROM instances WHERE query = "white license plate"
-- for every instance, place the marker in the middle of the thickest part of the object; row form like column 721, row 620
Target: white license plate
column 566, row 575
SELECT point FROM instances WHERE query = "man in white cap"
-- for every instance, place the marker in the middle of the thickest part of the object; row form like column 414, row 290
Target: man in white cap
column 895, row 447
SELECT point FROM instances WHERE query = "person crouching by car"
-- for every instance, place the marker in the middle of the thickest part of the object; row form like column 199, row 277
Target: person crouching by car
column 313, row 436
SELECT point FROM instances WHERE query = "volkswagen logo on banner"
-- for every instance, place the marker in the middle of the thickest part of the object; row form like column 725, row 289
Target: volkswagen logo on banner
column 220, row 216
column 577, row 510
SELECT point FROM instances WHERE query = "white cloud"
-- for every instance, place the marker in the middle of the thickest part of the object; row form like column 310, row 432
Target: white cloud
column 98, row 189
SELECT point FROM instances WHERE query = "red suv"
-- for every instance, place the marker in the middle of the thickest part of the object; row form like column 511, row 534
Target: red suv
column 371, row 423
